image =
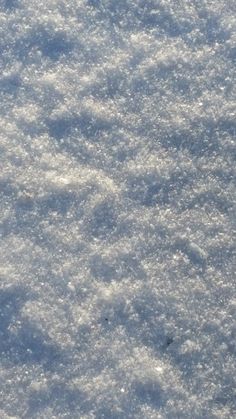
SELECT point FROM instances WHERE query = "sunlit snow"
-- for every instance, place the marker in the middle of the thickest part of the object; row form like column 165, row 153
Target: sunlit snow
column 117, row 209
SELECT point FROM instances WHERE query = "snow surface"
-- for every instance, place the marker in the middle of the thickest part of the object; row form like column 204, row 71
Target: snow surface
column 117, row 194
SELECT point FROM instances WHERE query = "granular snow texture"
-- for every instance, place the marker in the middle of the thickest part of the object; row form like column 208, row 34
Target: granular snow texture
column 117, row 200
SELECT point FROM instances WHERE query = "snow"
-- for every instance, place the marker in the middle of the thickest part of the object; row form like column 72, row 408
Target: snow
column 117, row 209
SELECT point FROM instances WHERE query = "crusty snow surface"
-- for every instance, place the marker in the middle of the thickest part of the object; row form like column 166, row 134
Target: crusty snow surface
column 117, row 200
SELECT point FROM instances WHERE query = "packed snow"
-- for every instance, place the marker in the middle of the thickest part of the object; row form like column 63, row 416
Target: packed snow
column 117, row 209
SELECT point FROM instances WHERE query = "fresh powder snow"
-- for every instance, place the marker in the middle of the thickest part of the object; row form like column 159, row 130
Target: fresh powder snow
column 117, row 209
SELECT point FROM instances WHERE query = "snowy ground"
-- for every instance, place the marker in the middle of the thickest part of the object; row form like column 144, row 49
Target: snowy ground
column 117, row 222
